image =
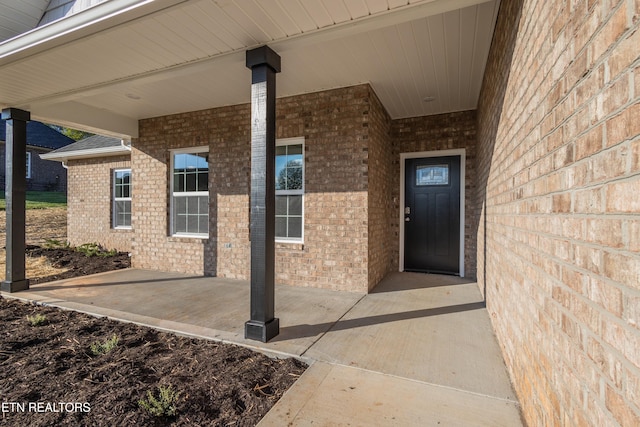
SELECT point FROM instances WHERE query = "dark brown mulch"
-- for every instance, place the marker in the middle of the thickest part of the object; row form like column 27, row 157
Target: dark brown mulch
column 78, row 264
column 50, row 377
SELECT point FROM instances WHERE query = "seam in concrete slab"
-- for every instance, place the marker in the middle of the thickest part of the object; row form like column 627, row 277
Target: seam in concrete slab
column 331, row 327
column 500, row 399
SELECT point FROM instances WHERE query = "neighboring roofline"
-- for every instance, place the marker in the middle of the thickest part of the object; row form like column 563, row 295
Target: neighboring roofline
column 88, row 154
column 32, row 147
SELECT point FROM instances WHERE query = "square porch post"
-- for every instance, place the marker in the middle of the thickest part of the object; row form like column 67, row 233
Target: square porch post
column 264, row 64
column 15, row 196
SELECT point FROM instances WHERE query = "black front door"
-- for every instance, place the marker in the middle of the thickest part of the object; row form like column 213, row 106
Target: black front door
column 432, row 215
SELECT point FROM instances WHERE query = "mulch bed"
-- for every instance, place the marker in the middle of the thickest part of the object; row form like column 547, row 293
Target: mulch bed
column 50, row 376
column 78, row 264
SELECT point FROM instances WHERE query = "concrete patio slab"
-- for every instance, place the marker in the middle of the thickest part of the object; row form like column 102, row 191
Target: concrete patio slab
column 336, row 395
column 206, row 307
column 417, row 351
column 427, row 328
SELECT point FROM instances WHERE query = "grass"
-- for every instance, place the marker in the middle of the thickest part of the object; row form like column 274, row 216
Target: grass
column 40, row 199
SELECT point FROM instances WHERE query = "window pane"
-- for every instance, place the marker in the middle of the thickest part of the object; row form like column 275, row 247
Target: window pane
column 281, row 205
column 191, row 182
column 178, row 182
column 295, row 205
column 295, row 149
column 204, row 223
column 180, row 224
column 179, row 214
column 289, row 162
column 432, row 175
column 192, row 224
column 295, row 227
column 191, row 215
column 123, row 213
column 190, row 172
column 203, row 203
column 203, row 181
column 281, row 227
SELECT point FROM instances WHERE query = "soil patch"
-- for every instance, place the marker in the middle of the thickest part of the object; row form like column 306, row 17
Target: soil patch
column 71, row 263
column 52, row 366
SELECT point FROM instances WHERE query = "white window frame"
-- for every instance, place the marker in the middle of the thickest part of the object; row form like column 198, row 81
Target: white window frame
column 191, row 150
column 294, row 141
column 28, row 164
column 120, row 199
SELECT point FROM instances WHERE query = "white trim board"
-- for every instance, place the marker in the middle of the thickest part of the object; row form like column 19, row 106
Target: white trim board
column 422, row 154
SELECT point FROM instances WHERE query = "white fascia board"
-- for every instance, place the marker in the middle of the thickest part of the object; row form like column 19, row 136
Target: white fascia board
column 94, row 19
column 87, row 154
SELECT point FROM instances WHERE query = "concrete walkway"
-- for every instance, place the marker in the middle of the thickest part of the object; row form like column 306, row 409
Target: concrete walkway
column 418, row 351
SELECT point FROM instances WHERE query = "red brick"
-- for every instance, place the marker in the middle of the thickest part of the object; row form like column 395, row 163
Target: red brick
column 618, row 196
column 589, row 143
column 610, row 32
column 633, row 235
column 622, row 268
column 606, row 232
column 632, row 310
column 605, row 295
column 588, row 201
column 623, row 126
column 613, row 97
column 561, row 203
column 624, row 55
column 621, row 409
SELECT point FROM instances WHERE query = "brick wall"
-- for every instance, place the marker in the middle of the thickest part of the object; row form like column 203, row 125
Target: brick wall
column 334, row 254
column 380, row 202
column 434, row 133
column 559, row 149
column 46, row 175
column 89, row 214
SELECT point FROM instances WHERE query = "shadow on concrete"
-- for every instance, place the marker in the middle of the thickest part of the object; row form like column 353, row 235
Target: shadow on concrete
column 68, row 283
column 304, row 331
column 406, row 281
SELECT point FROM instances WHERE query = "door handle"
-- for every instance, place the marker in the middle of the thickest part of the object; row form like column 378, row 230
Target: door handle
column 407, row 210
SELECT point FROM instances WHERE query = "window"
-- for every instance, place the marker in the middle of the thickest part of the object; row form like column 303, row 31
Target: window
column 122, row 198
column 289, row 189
column 190, row 192
column 28, row 164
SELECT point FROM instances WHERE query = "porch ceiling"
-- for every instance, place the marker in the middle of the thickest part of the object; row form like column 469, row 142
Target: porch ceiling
column 123, row 60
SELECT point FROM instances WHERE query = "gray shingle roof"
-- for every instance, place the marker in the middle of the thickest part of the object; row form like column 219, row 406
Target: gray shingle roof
column 40, row 135
column 91, row 143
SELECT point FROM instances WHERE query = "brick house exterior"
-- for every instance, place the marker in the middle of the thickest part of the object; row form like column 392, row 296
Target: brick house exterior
column 42, row 175
column 552, row 185
column 351, row 227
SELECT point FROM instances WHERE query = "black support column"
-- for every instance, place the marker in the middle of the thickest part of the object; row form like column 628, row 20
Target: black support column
column 264, row 64
column 15, row 195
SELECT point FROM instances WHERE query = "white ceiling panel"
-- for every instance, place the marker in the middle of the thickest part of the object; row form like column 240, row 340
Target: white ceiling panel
column 189, row 55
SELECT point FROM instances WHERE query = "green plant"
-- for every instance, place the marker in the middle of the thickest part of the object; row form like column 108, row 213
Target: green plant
column 98, row 348
column 55, row 244
column 37, row 320
column 93, row 249
column 163, row 405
